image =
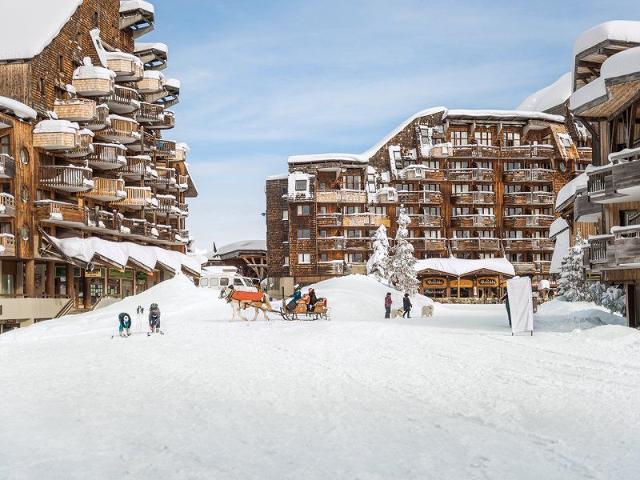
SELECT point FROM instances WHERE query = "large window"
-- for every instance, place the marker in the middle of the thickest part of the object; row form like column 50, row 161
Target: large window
column 512, row 139
column 304, row 210
column 355, row 258
column 352, row 182
column 301, row 185
column 459, row 138
column 304, row 258
column 483, row 137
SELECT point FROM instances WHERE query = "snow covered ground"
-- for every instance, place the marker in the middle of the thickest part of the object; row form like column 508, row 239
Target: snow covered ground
column 453, row 396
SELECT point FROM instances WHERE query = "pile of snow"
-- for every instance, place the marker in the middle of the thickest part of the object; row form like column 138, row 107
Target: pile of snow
column 611, row 334
column 551, row 96
column 618, row 30
column 558, row 315
column 361, row 298
column 18, row 109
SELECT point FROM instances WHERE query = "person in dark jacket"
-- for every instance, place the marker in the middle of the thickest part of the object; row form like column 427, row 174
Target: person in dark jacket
column 406, row 305
column 313, row 299
column 154, row 318
column 505, row 297
column 297, row 295
column 124, row 324
column 387, row 305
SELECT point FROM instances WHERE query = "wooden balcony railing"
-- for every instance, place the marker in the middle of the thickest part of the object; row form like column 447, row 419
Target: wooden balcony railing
column 56, row 135
column 7, row 205
column 182, row 183
column 144, row 145
column 60, row 212
column 166, row 204
column 329, row 220
column 85, row 145
column 524, row 268
column 182, row 236
column 134, row 226
column 68, row 179
column 101, row 118
column 528, row 151
column 127, row 67
column 533, row 244
column 122, row 130
column 471, row 175
column 331, row 268
column 365, row 220
column 7, row 245
column 474, row 198
column 107, row 156
column 473, row 220
column 469, row 151
column 528, row 221
column 475, row 244
column 429, row 197
column 529, row 198
column 123, row 100
column 107, row 190
column 363, row 243
column 7, row 166
column 330, row 244
column 409, row 196
column 528, row 175
column 151, row 83
column 103, row 219
column 137, row 197
column 168, row 121
column 76, row 110
column 136, row 167
column 150, row 113
column 165, row 148
column 166, row 177
column 422, row 173
column 342, row 196
column 426, row 220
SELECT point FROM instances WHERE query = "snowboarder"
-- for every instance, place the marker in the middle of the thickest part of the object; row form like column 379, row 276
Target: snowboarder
column 313, row 299
column 387, row 305
column 154, row 319
column 124, row 325
column 297, row 295
column 406, row 304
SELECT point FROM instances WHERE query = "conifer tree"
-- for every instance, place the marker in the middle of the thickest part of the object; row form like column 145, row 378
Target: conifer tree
column 401, row 269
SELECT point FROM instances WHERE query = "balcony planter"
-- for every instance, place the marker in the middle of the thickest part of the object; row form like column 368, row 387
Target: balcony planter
column 56, row 135
column 92, row 81
column 107, row 156
column 127, row 67
column 76, row 110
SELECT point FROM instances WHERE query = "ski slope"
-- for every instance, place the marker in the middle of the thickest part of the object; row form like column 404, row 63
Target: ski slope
column 453, row 396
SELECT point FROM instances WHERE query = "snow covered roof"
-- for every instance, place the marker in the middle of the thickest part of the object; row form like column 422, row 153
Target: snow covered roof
column 283, row 176
column 557, row 226
column 446, row 113
column 133, row 5
column 570, row 189
column 18, row 109
column 56, row 126
column 550, row 96
column 620, row 30
column 260, row 245
column 29, row 26
column 560, row 249
column 120, row 253
column 460, row 267
column 142, row 46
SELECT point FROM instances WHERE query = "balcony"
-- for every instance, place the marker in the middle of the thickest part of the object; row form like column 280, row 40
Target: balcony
column 136, row 167
column 426, row 220
column 49, row 211
column 85, row 145
column 107, row 190
column 123, row 100
column 331, row 243
column 167, row 204
column 165, row 148
column 626, row 172
column 167, row 121
column 182, row 149
column 127, row 67
column 363, row 243
column 474, row 198
column 584, row 210
column 166, row 177
column 75, row 110
column 473, row 221
column 471, row 175
column 152, row 83
column 342, row 196
column 334, row 267
column 475, row 151
column 365, row 220
column 524, row 268
column 121, row 130
column 329, row 220
column 92, row 81
column 165, row 233
column 430, row 197
column 137, row 198
column 528, row 175
column 184, row 209
column 136, row 16
column 153, row 55
column 134, row 226
column 7, row 205
column 485, row 244
column 526, row 244
column 107, row 156
column 585, row 154
column 182, row 183
column 421, row 172
column 150, row 114
column 101, row 118
column 406, row 196
column 528, row 221
column 7, row 166
column 103, row 219
column 182, row 236
column 69, row 179
column 7, row 245
column 56, row 135
column 529, row 198
column 528, row 151
column 146, row 145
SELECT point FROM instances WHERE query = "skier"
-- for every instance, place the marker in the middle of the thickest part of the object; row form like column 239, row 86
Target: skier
column 124, row 324
column 387, row 305
column 406, row 304
column 154, row 319
column 297, row 295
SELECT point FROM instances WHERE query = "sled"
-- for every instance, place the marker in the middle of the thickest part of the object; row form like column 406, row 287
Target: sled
column 301, row 312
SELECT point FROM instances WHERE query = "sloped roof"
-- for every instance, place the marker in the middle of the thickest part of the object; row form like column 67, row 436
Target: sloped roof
column 620, row 30
column 460, row 266
column 550, row 96
column 28, row 26
column 260, row 245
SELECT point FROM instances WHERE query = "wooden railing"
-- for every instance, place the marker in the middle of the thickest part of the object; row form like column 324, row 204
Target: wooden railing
column 596, row 182
column 329, row 244
column 473, row 220
column 475, row 244
column 471, row 175
column 101, row 118
column 7, row 245
column 528, row 175
column 528, row 151
column 329, row 220
column 535, row 244
column 475, row 198
column 7, row 205
column 150, row 113
column 7, row 166
column 107, row 189
column 430, row 197
column 426, row 220
column 168, row 121
column 409, row 196
column 365, row 220
column 166, row 176
column 107, row 156
column 330, row 268
column 66, row 178
column 529, row 198
column 123, row 100
column 528, row 221
column 53, row 211
column 136, row 166
column 137, row 197
column 342, row 196
column 166, row 203
column 165, row 148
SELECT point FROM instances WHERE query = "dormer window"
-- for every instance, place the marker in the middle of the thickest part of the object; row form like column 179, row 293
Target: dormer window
column 301, row 185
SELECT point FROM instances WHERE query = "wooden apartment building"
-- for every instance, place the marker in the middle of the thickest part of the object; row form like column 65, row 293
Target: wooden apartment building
column 93, row 198
column 477, row 184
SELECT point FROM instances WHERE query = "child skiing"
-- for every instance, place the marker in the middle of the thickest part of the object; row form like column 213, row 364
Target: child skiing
column 154, row 319
column 124, row 325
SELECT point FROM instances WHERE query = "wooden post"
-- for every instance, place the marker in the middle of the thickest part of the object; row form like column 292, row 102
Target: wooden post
column 458, row 287
column 30, row 279
column 50, row 274
column 135, row 283
column 71, row 287
column 86, row 290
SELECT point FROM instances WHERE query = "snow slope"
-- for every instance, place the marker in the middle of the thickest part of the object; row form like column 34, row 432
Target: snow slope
column 558, row 315
column 453, row 396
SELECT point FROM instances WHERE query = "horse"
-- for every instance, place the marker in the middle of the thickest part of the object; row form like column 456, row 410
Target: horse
column 260, row 303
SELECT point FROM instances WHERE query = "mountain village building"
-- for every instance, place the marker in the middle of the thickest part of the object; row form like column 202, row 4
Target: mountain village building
column 478, row 184
column 94, row 198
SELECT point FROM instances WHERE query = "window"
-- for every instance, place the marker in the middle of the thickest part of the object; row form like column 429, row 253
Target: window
column 304, row 234
column 514, row 234
column 432, row 164
column 512, row 139
column 41, row 87
column 460, row 188
column 459, row 138
column 351, row 210
column 304, row 210
column 461, row 234
column 61, row 64
column 224, row 281
column 237, row 282
column 435, row 211
column 304, row 258
column 513, row 211
column 322, row 234
column 483, row 138
column 323, row 210
column 461, row 211
column 324, row 257
column 485, row 187
column 355, row 257
column 301, row 185
column 457, row 165
column 286, row 261
column 431, row 187
column 352, row 182
column 4, row 145
column 353, row 233
column 285, row 215
column 629, row 218
column 432, row 234
column 512, row 188
column 378, row 210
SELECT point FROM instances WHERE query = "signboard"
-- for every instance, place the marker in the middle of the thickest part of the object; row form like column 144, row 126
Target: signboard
column 141, row 276
column 97, row 273
column 462, row 283
column 487, row 282
column 434, row 282
column 117, row 274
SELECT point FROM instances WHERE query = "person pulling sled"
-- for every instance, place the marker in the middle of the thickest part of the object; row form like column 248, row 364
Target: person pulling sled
column 154, row 319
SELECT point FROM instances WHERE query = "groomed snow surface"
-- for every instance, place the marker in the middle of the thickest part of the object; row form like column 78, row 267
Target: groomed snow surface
column 453, row 396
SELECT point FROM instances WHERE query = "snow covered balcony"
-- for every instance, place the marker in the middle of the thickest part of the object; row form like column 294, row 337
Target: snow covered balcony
column 138, row 16
column 167, row 205
column 107, row 156
column 7, row 245
column 165, row 149
column 127, row 67
column 357, row 243
column 426, row 220
column 167, row 121
column 7, row 166
column 475, row 151
column 331, row 267
column 528, row 175
column 121, row 130
column 182, row 150
column 123, row 100
column 528, row 152
column 435, row 244
column 69, row 179
column 56, row 135
column 60, row 213
column 75, row 110
column 342, row 196
column 137, row 198
column 145, row 146
column 421, row 172
column 528, row 221
column 165, row 233
column 182, row 236
column 103, row 219
column 365, row 220
column 153, row 55
column 471, row 175
column 330, row 244
column 150, row 114
column 529, row 198
column 182, row 183
column 85, row 146
column 91, row 81
column 528, row 244
column 166, row 177
column 101, row 119
column 473, row 220
column 409, row 196
column 431, row 197
column 136, row 167
column 107, row 190
column 474, row 198
column 7, row 205
column 480, row 244
column 151, row 83
column 329, row 220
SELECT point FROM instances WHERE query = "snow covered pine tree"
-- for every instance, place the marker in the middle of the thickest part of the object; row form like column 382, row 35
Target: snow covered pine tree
column 401, row 268
column 377, row 264
column 572, row 285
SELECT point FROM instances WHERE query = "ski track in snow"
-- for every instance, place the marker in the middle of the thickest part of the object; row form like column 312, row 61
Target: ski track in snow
column 449, row 397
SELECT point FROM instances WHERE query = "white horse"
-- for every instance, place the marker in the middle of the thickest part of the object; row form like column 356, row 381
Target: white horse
column 238, row 306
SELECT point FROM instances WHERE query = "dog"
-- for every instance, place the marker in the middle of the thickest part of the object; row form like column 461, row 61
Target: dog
column 427, row 311
column 397, row 312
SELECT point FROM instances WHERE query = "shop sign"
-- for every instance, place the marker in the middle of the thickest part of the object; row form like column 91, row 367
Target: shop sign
column 435, row 282
column 97, row 273
column 117, row 274
column 487, row 282
column 462, row 283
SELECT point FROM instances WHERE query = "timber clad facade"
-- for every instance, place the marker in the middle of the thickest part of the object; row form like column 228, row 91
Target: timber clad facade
column 476, row 185
column 93, row 163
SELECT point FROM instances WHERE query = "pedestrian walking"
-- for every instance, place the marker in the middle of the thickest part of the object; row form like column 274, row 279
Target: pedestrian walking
column 406, row 305
column 387, row 305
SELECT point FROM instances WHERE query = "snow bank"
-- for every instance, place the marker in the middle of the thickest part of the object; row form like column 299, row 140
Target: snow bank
column 361, row 298
column 558, row 315
column 611, row 334
column 19, row 109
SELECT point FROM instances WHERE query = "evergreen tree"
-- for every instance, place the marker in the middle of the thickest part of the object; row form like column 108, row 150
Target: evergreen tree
column 401, row 268
column 611, row 297
column 377, row 264
column 572, row 285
